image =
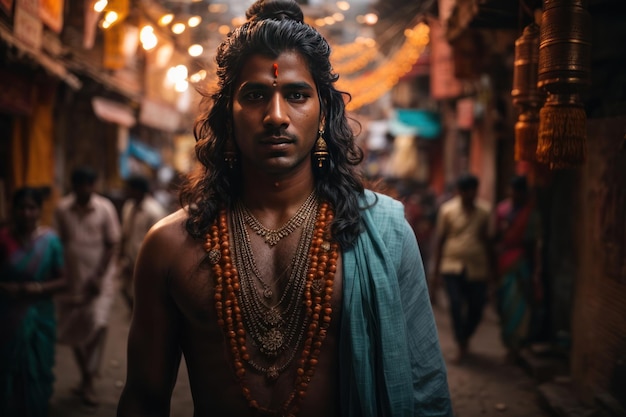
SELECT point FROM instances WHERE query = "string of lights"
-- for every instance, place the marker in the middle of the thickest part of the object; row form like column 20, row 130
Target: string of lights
column 364, row 69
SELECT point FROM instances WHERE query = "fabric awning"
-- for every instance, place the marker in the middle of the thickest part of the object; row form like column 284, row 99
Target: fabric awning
column 421, row 123
column 113, row 111
column 49, row 64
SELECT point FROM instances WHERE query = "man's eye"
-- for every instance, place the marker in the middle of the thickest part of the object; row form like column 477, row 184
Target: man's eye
column 254, row 95
column 296, row 96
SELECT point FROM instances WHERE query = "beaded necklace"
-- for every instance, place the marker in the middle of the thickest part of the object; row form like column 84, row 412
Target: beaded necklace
column 318, row 290
column 275, row 323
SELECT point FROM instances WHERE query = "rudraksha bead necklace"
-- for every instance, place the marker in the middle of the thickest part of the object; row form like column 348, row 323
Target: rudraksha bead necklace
column 316, row 301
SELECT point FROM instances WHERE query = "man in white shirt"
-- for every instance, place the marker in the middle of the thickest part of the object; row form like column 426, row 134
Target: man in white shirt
column 139, row 213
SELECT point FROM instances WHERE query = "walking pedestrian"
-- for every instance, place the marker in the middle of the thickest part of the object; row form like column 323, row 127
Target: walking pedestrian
column 289, row 288
column 139, row 213
column 463, row 259
column 90, row 231
column 518, row 237
column 31, row 271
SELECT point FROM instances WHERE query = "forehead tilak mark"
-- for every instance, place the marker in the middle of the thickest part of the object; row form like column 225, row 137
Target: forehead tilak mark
column 275, row 69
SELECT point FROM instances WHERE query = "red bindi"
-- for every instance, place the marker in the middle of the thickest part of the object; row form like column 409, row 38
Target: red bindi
column 275, row 67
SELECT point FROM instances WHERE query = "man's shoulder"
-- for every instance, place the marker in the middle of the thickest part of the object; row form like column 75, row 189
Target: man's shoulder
column 102, row 201
column 171, row 228
column 450, row 205
column 375, row 201
column 484, row 206
column 65, row 202
column 384, row 211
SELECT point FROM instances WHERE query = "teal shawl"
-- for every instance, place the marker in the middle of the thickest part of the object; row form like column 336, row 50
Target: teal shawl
column 391, row 362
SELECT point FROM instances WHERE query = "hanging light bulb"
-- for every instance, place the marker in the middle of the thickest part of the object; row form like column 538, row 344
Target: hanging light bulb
column 198, row 76
column 181, row 86
column 148, row 38
column 111, row 17
column 99, row 5
column 195, row 50
column 370, row 19
column 194, row 21
column 343, row 5
column 166, row 19
column 178, row 28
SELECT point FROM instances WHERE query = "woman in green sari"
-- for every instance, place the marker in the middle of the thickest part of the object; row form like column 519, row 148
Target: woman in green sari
column 31, row 270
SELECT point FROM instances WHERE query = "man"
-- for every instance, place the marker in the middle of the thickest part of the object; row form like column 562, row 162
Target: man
column 463, row 259
column 139, row 213
column 89, row 229
column 289, row 289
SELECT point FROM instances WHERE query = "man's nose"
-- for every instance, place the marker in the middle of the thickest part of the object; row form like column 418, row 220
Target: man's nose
column 276, row 113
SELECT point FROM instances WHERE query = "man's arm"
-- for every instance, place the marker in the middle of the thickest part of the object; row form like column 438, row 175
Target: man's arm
column 153, row 349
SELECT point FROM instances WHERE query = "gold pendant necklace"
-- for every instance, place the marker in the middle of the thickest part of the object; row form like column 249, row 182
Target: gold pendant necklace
column 273, row 236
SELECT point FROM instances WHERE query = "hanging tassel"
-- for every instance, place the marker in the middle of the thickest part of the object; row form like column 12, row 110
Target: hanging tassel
column 564, row 73
column 526, row 131
column 562, row 135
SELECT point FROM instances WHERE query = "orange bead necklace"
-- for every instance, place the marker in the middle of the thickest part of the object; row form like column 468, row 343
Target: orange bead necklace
column 322, row 266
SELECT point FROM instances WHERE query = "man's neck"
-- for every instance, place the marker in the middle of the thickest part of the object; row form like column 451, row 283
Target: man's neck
column 468, row 205
column 274, row 196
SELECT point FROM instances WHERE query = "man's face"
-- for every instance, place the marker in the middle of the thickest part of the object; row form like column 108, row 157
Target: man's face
column 276, row 114
column 83, row 192
column 468, row 196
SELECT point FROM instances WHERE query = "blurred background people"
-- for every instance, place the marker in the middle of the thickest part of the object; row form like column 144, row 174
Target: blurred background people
column 31, row 270
column 518, row 249
column 90, row 231
column 463, row 258
column 139, row 213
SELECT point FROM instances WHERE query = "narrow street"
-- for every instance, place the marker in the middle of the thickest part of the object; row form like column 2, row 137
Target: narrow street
column 483, row 386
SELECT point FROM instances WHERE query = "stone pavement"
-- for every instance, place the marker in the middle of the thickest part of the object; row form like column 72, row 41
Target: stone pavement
column 113, row 374
column 483, row 386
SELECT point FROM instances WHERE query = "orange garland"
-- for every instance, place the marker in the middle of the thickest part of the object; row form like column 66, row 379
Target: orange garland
column 318, row 292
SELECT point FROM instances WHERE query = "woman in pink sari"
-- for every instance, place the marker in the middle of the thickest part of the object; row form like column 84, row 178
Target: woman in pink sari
column 518, row 234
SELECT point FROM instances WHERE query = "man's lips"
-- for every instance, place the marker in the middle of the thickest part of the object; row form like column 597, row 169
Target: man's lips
column 276, row 140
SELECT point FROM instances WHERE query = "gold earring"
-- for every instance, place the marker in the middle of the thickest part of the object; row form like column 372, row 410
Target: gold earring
column 321, row 150
column 230, row 155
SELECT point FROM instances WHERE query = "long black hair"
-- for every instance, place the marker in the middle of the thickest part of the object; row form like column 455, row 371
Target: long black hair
column 274, row 27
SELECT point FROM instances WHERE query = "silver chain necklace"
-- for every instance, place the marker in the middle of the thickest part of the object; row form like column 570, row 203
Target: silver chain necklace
column 276, row 330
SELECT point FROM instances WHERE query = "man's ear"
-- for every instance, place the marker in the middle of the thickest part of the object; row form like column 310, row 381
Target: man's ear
column 322, row 124
column 323, row 109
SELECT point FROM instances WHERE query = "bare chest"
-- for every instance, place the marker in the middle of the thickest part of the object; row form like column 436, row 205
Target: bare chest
column 274, row 320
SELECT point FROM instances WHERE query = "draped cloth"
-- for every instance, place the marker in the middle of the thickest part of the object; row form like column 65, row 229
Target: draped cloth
column 27, row 326
column 519, row 229
column 391, row 361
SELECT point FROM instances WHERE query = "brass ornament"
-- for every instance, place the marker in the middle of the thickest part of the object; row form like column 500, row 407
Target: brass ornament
column 320, row 151
column 564, row 72
column 527, row 97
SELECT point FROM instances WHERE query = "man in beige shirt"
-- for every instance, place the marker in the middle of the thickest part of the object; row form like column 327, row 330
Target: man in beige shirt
column 463, row 258
column 89, row 228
